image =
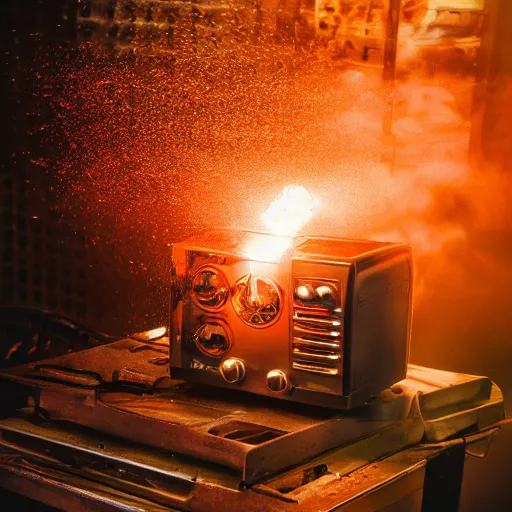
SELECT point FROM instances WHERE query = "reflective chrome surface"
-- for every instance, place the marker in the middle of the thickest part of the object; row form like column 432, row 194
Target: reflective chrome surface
column 212, row 339
column 257, row 300
column 233, row 370
column 317, row 326
column 315, row 293
column 210, row 288
column 326, row 314
column 277, row 381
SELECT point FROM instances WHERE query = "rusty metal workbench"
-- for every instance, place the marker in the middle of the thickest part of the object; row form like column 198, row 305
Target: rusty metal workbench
column 78, row 439
column 420, row 478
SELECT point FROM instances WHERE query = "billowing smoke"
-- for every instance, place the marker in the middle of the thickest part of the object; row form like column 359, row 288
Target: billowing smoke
column 153, row 148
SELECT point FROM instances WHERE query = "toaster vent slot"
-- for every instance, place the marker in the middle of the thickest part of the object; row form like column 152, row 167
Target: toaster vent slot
column 317, row 340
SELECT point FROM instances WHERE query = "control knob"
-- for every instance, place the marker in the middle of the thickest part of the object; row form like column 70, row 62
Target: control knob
column 233, row 370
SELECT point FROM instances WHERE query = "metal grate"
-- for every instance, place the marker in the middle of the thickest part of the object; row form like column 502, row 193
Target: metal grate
column 159, row 27
column 317, row 340
column 162, row 26
column 44, row 261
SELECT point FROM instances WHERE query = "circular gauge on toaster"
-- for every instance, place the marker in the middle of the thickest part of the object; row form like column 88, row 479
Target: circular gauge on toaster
column 212, row 338
column 210, row 288
column 257, row 300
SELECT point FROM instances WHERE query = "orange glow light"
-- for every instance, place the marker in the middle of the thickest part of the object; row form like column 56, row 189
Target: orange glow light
column 284, row 218
column 290, row 211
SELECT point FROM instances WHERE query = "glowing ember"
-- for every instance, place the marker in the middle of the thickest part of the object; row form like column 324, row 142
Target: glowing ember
column 284, row 218
column 152, row 334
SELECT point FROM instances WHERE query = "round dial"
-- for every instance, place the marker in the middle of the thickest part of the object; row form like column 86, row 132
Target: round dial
column 212, row 339
column 210, row 288
column 257, row 301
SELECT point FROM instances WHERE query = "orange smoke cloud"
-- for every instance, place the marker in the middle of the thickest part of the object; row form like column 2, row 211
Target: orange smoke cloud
column 156, row 149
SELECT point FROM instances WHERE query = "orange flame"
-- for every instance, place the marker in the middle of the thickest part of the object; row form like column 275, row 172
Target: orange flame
column 290, row 211
column 284, row 218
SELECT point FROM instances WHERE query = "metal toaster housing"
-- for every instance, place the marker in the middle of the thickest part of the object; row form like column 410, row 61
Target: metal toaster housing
column 338, row 360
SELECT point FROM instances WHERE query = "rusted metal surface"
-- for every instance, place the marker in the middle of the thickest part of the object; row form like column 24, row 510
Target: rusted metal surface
column 186, row 424
column 168, row 444
column 257, row 437
column 118, row 476
column 59, row 489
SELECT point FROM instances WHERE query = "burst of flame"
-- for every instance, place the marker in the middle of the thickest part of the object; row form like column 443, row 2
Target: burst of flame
column 290, row 211
column 268, row 248
column 284, row 218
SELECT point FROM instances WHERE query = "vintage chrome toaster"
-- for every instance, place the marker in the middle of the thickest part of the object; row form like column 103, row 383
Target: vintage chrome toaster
column 314, row 320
